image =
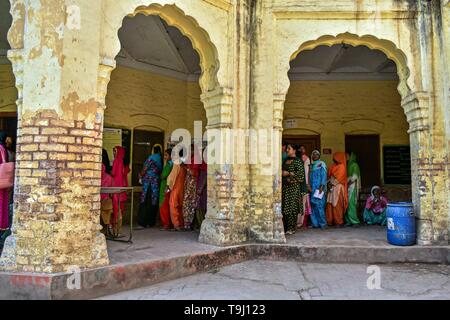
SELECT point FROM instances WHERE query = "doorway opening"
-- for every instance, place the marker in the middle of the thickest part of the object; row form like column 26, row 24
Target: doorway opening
column 344, row 98
column 153, row 91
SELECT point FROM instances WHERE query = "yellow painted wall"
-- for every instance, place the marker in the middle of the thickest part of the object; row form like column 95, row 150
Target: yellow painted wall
column 139, row 99
column 8, row 91
column 335, row 108
column 148, row 101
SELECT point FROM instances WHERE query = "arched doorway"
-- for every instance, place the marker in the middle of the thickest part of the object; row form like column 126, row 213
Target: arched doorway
column 344, row 95
column 165, row 74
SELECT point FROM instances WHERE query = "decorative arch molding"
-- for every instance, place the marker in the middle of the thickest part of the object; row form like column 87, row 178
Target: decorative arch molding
column 370, row 41
column 143, row 127
column 16, row 34
column 304, row 124
column 173, row 16
column 414, row 104
column 150, row 120
column 362, row 126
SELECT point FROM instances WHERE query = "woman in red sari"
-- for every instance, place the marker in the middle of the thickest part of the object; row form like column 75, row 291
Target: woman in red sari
column 337, row 198
column 119, row 174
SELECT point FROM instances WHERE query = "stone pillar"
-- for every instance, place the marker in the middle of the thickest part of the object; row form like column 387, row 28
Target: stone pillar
column 426, row 170
column 59, row 144
column 265, row 215
column 226, row 197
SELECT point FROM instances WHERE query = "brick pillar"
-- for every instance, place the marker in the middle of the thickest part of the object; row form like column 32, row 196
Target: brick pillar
column 56, row 200
column 58, row 167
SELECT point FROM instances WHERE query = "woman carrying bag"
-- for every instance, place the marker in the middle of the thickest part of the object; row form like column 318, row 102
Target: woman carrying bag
column 6, row 182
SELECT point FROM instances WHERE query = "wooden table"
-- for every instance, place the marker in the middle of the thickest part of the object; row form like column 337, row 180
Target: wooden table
column 118, row 190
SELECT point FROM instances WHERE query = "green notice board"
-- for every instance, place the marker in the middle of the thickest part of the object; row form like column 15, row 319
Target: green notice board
column 397, row 164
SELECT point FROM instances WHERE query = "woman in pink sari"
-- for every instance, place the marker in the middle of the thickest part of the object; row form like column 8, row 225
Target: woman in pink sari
column 4, row 193
column 119, row 174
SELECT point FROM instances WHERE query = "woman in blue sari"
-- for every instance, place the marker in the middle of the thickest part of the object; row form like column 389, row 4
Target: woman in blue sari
column 150, row 177
column 318, row 184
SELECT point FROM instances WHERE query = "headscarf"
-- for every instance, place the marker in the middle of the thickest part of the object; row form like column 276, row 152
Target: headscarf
column 318, row 164
column 373, row 190
column 339, row 171
column 352, row 166
column 157, row 158
column 118, row 169
column 105, row 161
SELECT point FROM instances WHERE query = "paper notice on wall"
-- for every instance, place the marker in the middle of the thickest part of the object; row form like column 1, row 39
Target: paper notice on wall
column 111, row 137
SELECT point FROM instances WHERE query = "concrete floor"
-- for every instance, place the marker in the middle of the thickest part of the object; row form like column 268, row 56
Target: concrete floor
column 153, row 244
column 274, row 280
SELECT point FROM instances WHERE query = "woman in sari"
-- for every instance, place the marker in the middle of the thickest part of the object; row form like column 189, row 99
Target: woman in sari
column 337, row 198
column 318, row 185
column 150, row 177
column 106, row 162
column 4, row 193
column 354, row 187
column 202, row 194
column 190, row 191
column 293, row 174
column 175, row 186
column 164, row 209
column 119, row 174
column 375, row 210
column 106, row 208
column 303, row 218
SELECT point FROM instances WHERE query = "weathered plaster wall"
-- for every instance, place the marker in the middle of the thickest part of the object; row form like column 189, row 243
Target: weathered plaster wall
column 335, row 108
column 8, row 91
column 137, row 98
column 62, row 70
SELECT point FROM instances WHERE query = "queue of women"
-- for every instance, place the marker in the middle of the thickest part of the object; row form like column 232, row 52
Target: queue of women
column 174, row 191
column 315, row 196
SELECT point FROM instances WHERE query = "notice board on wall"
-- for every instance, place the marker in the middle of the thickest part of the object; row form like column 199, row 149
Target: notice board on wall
column 397, row 164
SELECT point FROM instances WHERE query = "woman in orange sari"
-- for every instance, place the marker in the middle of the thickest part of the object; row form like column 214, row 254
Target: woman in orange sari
column 175, row 185
column 337, row 199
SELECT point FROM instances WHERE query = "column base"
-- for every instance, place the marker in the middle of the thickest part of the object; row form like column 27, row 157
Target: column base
column 220, row 232
column 8, row 257
column 22, row 254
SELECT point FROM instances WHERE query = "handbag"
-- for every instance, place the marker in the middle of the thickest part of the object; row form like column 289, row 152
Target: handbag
column 6, row 174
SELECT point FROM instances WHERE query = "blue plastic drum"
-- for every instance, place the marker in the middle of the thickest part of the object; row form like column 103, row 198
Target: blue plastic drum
column 401, row 224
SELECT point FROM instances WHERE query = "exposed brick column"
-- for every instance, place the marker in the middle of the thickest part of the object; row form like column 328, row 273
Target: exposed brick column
column 56, row 200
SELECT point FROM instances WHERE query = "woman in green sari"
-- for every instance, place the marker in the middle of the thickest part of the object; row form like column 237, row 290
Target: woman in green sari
column 164, row 210
column 292, row 185
column 354, row 187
